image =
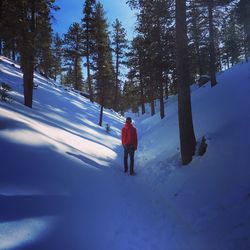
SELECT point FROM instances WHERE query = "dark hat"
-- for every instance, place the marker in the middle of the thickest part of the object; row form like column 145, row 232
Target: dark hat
column 128, row 120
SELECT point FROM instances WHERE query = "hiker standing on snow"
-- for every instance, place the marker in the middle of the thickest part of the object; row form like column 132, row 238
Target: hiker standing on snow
column 129, row 142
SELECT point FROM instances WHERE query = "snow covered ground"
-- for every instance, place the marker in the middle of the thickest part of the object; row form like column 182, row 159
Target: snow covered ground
column 62, row 184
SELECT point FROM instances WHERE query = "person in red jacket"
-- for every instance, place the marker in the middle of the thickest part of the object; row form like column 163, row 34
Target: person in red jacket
column 129, row 142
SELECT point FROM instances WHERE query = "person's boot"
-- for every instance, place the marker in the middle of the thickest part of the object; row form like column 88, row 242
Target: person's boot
column 132, row 167
column 125, row 165
column 132, row 173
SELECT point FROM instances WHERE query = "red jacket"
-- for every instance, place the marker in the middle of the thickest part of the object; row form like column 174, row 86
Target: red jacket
column 129, row 135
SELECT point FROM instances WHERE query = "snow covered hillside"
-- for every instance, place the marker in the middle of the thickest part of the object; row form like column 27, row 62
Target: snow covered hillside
column 62, row 184
column 212, row 194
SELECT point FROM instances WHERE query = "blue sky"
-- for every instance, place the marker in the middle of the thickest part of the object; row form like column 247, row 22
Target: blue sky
column 71, row 11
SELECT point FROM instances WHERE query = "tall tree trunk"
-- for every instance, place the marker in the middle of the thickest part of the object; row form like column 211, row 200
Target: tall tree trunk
column 28, row 54
column 116, row 80
column 76, row 62
column 166, row 85
column 102, row 105
column 151, row 96
column 162, row 110
column 212, row 67
column 160, row 73
column 187, row 137
column 88, row 66
column 246, row 52
column 248, row 38
column 76, row 73
column 13, row 50
column 198, row 56
column 101, row 115
column 89, row 80
column 161, row 89
column 1, row 10
column 143, row 110
column 197, row 40
column 220, row 59
column 28, row 72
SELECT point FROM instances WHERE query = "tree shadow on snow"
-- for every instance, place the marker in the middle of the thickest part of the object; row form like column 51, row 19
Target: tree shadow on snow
column 29, row 206
column 85, row 160
column 53, row 122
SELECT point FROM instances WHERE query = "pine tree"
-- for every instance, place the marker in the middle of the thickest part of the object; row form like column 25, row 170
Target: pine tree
column 68, row 77
column 9, row 28
column 243, row 11
column 231, row 38
column 130, row 96
column 43, row 42
column 135, row 73
column 73, row 52
column 88, row 30
column 29, row 11
column 197, row 40
column 119, row 48
column 212, row 67
column 187, row 137
column 211, row 5
column 57, row 54
column 25, row 20
column 154, row 23
column 104, row 72
column 161, row 19
column 145, row 28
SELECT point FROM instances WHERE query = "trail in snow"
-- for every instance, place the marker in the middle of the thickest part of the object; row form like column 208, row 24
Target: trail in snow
column 112, row 211
column 95, row 208
column 77, row 206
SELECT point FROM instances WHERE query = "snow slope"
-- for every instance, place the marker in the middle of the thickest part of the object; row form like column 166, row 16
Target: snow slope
column 62, row 185
column 212, row 194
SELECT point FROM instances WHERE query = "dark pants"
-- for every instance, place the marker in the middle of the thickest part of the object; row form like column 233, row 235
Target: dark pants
column 129, row 150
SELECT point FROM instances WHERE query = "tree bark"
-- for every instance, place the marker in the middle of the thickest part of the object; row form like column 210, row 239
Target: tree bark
column 102, row 105
column 76, row 73
column 160, row 76
column 89, row 80
column 212, row 67
column 28, row 55
column 101, row 115
column 88, row 64
column 13, row 50
column 186, row 131
column 199, row 66
column 248, row 38
column 245, row 46
column 116, row 79
column 166, row 86
column 28, row 72
column 143, row 110
column 151, row 95
column 1, row 10
column 162, row 108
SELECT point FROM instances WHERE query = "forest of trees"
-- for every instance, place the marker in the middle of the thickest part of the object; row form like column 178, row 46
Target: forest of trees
column 175, row 43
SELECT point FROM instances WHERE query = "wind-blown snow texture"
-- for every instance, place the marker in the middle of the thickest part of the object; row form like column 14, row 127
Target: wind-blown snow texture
column 62, row 184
